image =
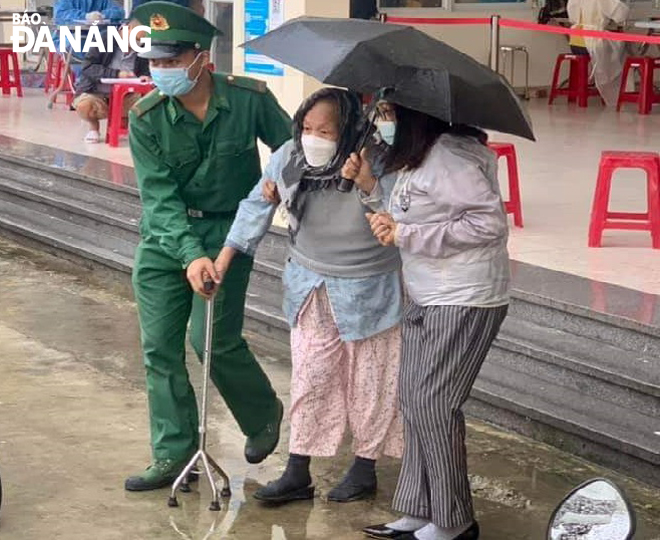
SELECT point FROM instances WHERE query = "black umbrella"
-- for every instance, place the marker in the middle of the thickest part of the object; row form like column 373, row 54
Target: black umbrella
column 422, row 73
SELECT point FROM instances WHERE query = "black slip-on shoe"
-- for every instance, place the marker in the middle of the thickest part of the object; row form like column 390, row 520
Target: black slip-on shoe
column 470, row 534
column 279, row 492
column 348, row 491
column 383, row 531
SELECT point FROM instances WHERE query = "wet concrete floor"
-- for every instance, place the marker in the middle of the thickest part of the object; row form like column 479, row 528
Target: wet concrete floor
column 73, row 424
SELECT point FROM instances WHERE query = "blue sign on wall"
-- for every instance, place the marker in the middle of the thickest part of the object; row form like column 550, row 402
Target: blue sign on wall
column 262, row 16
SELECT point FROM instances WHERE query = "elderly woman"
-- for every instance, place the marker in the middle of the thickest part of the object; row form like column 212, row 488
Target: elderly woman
column 447, row 218
column 342, row 299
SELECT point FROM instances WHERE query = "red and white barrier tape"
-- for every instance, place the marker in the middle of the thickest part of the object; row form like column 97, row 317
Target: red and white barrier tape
column 525, row 25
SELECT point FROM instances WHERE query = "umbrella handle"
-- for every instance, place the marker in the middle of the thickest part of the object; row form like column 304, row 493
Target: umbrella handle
column 345, row 185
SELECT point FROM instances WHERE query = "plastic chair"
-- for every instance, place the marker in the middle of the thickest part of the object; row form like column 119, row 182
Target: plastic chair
column 602, row 218
column 514, row 204
column 51, row 75
column 578, row 80
column 117, row 126
column 646, row 97
column 61, row 82
column 10, row 76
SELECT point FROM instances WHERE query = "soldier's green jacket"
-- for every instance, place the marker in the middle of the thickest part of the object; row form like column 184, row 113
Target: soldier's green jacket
column 184, row 164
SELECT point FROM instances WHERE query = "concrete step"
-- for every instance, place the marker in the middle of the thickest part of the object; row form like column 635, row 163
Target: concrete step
column 96, row 213
column 59, row 235
column 625, row 378
column 630, row 321
column 618, row 437
column 52, row 178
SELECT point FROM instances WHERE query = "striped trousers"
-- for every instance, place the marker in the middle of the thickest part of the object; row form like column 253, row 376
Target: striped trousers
column 443, row 350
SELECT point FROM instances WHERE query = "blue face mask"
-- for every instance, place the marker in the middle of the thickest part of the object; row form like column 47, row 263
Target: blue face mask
column 387, row 129
column 174, row 81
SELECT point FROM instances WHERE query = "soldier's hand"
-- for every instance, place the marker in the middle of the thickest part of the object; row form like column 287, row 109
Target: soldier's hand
column 200, row 270
column 270, row 192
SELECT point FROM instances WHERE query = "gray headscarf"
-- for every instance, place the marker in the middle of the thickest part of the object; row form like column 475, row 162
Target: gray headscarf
column 299, row 177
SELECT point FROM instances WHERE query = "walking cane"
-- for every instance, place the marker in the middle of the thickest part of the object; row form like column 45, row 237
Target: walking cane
column 207, row 461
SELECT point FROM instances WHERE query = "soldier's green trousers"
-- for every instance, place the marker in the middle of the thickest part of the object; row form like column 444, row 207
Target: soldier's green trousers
column 165, row 305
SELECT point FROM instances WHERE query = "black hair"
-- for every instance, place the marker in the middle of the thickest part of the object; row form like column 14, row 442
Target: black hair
column 416, row 133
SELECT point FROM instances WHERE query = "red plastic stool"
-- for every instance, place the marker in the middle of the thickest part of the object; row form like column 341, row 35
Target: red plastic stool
column 647, row 96
column 57, row 76
column 7, row 82
column 116, row 125
column 514, row 204
column 578, row 80
column 602, row 218
column 51, row 75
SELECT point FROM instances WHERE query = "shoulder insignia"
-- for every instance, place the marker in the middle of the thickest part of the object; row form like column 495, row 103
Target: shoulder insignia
column 247, row 82
column 148, row 102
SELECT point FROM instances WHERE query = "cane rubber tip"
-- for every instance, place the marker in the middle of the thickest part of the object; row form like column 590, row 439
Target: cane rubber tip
column 185, row 488
column 172, row 502
column 49, row 106
column 226, row 492
column 214, row 506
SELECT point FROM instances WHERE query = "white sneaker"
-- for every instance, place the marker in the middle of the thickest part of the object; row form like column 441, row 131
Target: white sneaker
column 92, row 137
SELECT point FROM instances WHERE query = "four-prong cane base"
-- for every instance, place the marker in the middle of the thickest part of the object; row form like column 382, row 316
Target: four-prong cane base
column 208, row 465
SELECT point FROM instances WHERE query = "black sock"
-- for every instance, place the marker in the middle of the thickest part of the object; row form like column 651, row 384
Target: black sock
column 297, row 471
column 363, row 471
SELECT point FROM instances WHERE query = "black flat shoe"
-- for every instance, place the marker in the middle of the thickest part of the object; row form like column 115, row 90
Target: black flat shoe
column 280, row 492
column 382, row 531
column 470, row 534
column 349, row 492
column 355, row 486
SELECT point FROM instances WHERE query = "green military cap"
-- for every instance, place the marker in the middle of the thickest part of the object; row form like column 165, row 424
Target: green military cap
column 174, row 29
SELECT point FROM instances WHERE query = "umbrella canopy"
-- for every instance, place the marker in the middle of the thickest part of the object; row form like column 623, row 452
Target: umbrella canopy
column 420, row 72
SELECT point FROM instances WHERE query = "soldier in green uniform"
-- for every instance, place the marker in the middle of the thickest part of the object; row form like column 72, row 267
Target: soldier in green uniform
column 194, row 146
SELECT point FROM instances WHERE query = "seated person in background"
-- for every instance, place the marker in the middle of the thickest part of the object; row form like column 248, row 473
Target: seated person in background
column 607, row 57
column 72, row 12
column 92, row 96
column 67, row 12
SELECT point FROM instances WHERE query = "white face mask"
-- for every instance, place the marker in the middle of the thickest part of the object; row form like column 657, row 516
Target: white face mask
column 318, row 151
column 387, row 129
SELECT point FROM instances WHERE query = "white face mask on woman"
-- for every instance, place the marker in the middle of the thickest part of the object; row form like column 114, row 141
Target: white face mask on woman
column 387, row 129
column 318, row 151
